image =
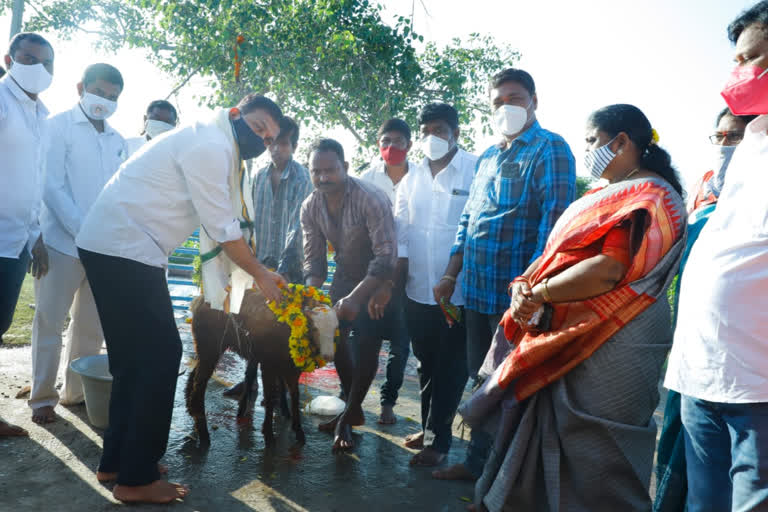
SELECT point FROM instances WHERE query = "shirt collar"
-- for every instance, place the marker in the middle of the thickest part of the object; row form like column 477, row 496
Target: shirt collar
column 287, row 172
column 20, row 95
column 524, row 138
column 455, row 162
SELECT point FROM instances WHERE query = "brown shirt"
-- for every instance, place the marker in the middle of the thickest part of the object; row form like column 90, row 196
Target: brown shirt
column 364, row 242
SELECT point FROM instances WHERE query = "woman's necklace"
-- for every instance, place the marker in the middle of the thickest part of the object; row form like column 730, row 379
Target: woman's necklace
column 631, row 173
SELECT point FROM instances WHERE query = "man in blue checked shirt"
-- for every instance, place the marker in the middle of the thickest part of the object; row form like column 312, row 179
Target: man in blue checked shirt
column 521, row 187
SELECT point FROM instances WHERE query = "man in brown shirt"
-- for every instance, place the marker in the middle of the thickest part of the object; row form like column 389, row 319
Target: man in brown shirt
column 356, row 218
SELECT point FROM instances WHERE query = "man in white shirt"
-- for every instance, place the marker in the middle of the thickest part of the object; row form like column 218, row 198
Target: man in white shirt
column 387, row 174
column 84, row 151
column 156, row 199
column 22, row 137
column 719, row 359
column 429, row 203
column 160, row 117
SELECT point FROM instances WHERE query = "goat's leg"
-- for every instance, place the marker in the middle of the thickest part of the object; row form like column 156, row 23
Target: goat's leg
column 293, row 387
column 268, row 380
column 196, row 385
column 249, row 395
column 284, row 410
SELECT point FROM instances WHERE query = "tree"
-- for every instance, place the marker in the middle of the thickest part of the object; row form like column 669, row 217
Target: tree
column 333, row 61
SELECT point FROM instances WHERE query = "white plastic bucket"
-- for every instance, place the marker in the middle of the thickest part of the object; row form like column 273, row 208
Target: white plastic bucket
column 97, row 387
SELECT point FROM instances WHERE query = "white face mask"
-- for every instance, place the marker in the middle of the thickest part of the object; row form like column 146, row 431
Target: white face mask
column 33, row 78
column 511, row 119
column 434, row 147
column 153, row 128
column 596, row 161
column 96, row 107
column 721, row 159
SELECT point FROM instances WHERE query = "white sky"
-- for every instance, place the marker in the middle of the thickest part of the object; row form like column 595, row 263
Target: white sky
column 668, row 57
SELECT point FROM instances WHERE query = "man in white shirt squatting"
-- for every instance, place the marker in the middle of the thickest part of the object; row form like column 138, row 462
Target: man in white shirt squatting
column 429, row 203
column 150, row 206
column 22, row 139
column 719, row 359
column 160, row 117
column 84, row 151
column 387, row 174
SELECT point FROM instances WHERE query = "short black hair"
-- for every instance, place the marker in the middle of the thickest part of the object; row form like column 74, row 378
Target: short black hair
column 289, row 128
column 439, row 112
column 2, row 72
column 514, row 75
column 253, row 102
column 395, row 125
column 32, row 37
column 758, row 13
column 321, row 145
column 102, row 71
column 163, row 105
column 727, row 111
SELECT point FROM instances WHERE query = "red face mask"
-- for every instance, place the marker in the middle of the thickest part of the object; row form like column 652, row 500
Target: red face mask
column 393, row 155
column 746, row 91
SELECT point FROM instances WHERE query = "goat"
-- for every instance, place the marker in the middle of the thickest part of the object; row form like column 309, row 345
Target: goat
column 257, row 336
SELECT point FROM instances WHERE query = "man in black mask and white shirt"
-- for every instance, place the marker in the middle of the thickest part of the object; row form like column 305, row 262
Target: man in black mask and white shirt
column 154, row 202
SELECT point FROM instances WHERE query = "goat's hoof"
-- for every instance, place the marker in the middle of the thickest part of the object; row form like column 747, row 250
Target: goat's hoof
column 301, row 438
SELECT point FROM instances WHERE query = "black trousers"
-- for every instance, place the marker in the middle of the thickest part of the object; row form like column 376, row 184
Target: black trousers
column 144, row 350
column 481, row 328
column 12, row 272
column 442, row 355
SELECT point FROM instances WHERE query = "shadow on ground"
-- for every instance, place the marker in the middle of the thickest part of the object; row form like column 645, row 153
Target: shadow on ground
column 53, row 469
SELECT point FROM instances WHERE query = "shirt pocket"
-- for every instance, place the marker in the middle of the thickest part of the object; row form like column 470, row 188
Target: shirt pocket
column 456, row 200
column 509, row 185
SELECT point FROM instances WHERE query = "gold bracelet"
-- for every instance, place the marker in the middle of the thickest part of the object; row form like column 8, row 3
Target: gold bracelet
column 449, row 278
column 545, row 291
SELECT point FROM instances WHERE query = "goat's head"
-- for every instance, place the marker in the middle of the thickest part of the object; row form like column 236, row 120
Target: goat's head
column 323, row 324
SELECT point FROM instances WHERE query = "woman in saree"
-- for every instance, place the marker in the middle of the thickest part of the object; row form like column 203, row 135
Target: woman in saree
column 572, row 375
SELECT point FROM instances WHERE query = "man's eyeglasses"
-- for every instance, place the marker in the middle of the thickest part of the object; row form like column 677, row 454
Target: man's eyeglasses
column 727, row 137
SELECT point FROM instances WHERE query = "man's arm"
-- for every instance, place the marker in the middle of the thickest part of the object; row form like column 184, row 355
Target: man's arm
column 315, row 248
column 57, row 195
column 555, row 176
column 402, row 226
column 206, row 170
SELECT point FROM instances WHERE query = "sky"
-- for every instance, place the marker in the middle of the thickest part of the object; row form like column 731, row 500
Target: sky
column 670, row 58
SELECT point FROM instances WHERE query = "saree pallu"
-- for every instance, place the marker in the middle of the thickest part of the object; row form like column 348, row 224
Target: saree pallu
column 572, row 408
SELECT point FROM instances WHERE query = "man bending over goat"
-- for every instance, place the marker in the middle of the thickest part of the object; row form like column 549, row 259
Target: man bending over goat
column 356, row 218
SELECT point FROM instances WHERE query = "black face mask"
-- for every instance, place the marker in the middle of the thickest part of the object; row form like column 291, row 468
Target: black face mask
column 250, row 144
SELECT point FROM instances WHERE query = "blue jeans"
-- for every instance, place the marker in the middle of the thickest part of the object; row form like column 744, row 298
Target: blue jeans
column 726, row 449
column 396, row 331
column 12, row 272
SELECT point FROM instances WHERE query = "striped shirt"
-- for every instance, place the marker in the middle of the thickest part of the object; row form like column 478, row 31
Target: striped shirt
column 276, row 219
column 517, row 195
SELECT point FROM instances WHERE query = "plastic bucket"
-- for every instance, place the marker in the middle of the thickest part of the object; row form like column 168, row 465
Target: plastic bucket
column 97, row 387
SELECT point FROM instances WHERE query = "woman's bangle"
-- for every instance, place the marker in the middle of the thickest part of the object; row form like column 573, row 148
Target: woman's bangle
column 545, row 290
column 446, row 277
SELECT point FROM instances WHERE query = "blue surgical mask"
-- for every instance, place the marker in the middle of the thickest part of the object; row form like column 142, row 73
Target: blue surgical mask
column 250, row 144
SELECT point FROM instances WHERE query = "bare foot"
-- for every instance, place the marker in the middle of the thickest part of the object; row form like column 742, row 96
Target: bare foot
column 353, row 416
column 427, row 457
column 24, row 392
column 415, row 441
column 158, row 491
column 342, row 441
column 387, row 416
column 455, row 472
column 103, row 477
column 8, row 430
column 43, row 415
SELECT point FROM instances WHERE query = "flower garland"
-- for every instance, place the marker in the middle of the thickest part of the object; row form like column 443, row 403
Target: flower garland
column 304, row 354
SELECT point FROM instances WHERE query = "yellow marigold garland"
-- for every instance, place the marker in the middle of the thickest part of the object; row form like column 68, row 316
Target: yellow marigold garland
column 305, row 354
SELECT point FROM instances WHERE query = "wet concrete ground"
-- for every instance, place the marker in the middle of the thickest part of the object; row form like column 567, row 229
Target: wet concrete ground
column 54, row 468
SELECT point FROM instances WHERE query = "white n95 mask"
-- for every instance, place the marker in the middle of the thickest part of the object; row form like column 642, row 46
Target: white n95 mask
column 434, row 147
column 33, row 78
column 510, row 119
column 153, row 127
column 96, row 107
